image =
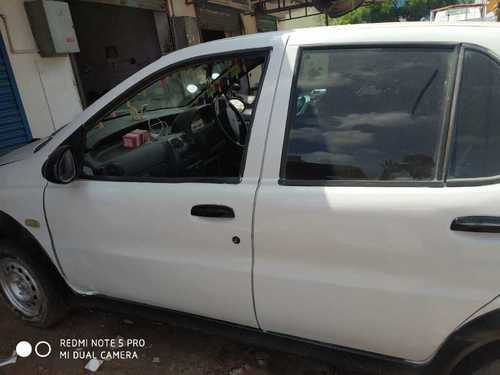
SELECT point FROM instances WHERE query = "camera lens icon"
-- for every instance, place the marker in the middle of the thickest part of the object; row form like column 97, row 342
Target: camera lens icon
column 42, row 349
column 24, row 349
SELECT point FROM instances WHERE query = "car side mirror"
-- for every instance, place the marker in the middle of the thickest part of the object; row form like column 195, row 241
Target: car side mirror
column 60, row 167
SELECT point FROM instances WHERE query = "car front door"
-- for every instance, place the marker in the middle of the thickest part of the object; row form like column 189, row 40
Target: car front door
column 354, row 240
column 161, row 213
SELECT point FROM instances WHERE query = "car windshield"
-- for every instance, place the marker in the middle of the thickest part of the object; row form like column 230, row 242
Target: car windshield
column 177, row 89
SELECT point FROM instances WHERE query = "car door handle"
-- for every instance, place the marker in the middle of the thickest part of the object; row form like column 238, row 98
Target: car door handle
column 212, row 210
column 480, row 224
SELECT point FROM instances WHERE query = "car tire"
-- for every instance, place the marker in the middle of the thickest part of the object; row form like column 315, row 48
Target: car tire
column 486, row 361
column 31, row 287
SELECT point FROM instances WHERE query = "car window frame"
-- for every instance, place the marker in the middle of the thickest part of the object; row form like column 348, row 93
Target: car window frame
column 473, row 181
column 78, row 137
column 439, row 174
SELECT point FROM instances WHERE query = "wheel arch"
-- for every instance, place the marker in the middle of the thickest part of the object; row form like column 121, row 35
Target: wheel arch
column 12, row 230
column 480, row 332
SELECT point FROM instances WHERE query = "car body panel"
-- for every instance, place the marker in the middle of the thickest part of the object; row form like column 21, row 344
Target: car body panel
column 365, row 267
column 21, row 196
column 21, row 153
column 385, row 274
column 138, row 241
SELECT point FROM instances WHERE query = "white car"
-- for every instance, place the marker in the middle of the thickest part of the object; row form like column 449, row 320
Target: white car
column 338, row 185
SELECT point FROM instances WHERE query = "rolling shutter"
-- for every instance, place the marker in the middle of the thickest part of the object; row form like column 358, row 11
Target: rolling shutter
column 156, row 5
column 14, row 130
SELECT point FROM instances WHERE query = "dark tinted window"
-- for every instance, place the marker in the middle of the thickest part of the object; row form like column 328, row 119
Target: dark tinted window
column 368, row 114
column 476, row 150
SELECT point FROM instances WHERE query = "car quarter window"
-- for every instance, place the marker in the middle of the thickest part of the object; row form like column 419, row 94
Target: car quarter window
column 192, row 122
column 476, row 143
column 368, row 113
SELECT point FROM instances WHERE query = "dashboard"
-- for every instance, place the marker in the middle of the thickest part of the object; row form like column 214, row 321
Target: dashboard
column 189, row 143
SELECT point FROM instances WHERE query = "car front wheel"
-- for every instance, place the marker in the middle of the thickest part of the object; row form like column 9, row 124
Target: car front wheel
column 30, row 287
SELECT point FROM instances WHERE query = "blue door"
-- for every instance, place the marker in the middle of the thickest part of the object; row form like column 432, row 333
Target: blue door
column 14, row 129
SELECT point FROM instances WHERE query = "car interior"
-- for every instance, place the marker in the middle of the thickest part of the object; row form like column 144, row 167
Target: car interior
column 194, row 122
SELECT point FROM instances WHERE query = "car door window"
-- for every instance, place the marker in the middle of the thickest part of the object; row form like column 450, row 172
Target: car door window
column 192, row 122
column 476, row 145
column 368, row 114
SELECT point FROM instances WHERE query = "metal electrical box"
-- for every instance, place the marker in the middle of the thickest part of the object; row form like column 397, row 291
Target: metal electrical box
column 52, row 27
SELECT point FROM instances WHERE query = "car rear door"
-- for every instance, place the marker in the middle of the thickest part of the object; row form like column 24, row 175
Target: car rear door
column 385, row 146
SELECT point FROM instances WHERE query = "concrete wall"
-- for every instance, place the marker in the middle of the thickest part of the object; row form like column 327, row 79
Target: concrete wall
column 249, row 24
column 179, row 8
column 46, row 85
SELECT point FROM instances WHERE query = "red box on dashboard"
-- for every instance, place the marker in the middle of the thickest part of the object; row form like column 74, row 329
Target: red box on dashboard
column 146, row 136
column 136, row 138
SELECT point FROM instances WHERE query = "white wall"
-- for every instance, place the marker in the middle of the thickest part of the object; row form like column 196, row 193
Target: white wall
column 46, row 85
column 299, row 23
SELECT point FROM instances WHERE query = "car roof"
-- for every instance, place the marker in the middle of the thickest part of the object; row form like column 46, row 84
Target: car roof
column 417, row 26
column 397, row 32
column 484, row 34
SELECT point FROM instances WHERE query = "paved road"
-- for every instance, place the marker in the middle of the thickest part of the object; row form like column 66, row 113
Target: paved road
column 169, row 349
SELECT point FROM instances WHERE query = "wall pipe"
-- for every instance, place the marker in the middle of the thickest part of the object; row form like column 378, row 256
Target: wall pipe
column 170, row 12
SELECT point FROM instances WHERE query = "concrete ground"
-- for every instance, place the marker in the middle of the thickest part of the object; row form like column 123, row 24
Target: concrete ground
column 169, row 349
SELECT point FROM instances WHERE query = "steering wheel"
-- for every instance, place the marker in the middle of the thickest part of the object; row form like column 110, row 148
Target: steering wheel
column 230, row 122
column 157, row 128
